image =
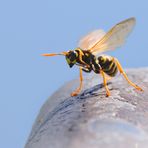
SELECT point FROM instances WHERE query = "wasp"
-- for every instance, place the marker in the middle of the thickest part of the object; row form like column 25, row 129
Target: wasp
column 87, row 55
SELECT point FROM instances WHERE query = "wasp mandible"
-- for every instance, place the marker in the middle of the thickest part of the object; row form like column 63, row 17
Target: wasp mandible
column 96, row 42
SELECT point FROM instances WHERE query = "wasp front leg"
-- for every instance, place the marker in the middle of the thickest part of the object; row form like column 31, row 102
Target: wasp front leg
column 77, row 91
column 125, row 76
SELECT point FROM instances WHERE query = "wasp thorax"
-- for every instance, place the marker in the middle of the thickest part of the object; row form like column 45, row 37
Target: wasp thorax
column 71, row 57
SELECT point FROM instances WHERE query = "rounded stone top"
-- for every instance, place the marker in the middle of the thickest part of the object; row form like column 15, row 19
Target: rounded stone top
column 92, row 120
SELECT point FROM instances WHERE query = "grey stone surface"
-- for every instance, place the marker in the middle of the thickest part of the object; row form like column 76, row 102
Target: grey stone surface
column 91, row 120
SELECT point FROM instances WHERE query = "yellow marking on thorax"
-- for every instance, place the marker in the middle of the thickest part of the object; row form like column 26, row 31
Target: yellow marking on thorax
column 80, row 57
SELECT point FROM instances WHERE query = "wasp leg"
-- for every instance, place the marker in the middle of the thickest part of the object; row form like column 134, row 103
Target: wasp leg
column 125, row 76
column 77, row 91
column 80, row 58
column 105, row 83
column 88, row 70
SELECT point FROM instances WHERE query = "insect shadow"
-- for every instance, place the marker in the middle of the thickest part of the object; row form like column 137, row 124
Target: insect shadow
column 88, row 93
column 93, row 91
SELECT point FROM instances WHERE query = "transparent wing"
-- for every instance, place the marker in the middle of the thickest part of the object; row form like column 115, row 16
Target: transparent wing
column 115, row 37
column 91, row 39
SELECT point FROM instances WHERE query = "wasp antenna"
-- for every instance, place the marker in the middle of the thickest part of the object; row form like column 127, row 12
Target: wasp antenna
column 49, row 54
column 54, row 54
column 64, row 53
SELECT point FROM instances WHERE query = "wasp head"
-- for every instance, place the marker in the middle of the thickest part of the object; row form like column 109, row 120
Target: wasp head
column 71, row 58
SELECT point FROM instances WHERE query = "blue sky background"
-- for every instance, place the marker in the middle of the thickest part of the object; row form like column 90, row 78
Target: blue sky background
column 29, row 27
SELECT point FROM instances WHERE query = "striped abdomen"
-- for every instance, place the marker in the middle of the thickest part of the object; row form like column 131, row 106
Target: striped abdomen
column 108, row 65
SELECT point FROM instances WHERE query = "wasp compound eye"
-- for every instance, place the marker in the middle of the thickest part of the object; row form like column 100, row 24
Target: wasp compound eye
column 71, row 56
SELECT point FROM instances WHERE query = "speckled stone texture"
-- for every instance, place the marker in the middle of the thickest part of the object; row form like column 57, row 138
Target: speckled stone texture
column 91, row 120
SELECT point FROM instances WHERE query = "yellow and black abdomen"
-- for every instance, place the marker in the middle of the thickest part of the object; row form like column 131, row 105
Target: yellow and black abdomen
column 108, row 65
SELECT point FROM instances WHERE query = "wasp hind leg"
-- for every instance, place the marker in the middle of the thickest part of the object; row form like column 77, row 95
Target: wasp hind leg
column 105, row 83
column 125, row 76
column 77, row 91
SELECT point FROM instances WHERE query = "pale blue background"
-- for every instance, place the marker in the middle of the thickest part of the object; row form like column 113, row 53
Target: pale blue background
column 29, row 26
